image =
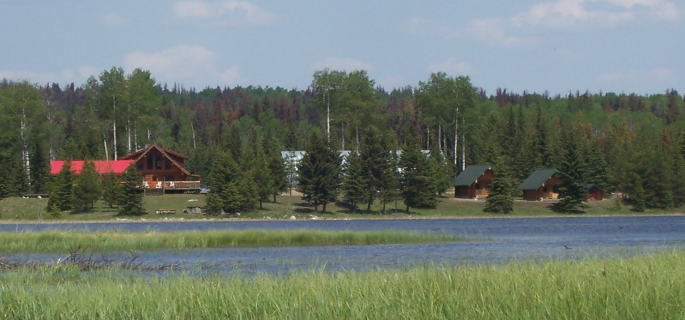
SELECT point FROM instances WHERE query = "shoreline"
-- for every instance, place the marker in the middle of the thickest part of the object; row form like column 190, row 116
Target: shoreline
column 319, row 218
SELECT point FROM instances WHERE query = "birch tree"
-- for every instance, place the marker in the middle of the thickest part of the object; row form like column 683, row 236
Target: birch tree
column 113, row 94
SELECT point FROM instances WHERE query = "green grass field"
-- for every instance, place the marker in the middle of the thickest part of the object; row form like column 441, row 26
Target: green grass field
column 648, row 287
column 66, row 241
column 18, row 209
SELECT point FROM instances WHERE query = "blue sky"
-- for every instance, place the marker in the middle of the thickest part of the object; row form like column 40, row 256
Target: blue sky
column 535, row 45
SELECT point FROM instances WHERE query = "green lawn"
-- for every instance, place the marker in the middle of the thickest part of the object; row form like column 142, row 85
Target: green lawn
column 18, row 209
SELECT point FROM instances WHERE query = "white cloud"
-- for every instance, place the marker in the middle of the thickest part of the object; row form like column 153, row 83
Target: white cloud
column 568, row 14
column 241, row 12
column 341, row 64
column 115, row 20
column 190, row 64
column 78, row 76
column 451, row 66
column 636, row 78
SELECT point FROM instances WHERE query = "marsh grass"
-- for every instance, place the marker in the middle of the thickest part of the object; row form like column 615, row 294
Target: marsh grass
column 646, row 287
column 67, row 241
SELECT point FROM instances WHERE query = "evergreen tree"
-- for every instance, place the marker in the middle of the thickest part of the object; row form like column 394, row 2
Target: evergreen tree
column 353, row 186
column 319, row 170
column 277, row 167
column 111, row 189
column 87, row 189
column 375, row 161
column 677, row 181
column 657, row 179
column 258, row 167
column 131, row 199
column 597, row 169
column 572, row 192
column 540, row 144
column 391, row 182
column 40, row 169
column 441, row 171
column 224, row 196
column 500, row 199
column 636, row 192
column 416, row 186
column 62, row 187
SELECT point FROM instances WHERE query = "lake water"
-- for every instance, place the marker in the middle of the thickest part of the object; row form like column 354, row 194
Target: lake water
column 509, row 239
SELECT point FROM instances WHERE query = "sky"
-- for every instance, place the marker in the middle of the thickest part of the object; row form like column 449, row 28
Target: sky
column 622, row 46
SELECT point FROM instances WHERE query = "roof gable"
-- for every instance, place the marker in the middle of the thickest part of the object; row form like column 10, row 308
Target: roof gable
column 537, row 179
column 469, row 176
column 141, row 153
column 101, row 166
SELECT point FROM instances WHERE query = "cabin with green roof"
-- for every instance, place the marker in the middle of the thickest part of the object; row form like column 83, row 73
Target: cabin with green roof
column 541, row 185
column 474, row 182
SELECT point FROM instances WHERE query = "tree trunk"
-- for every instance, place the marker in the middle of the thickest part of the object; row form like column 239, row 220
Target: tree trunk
column 323, row 210
column 328, row 115
column 114, row 125
column 193, row 129
column 104, row 141
column 407, row 209
column 428, row 138
column 439, row 137
column 343, row 136
column 456, row 135
column 25, row 146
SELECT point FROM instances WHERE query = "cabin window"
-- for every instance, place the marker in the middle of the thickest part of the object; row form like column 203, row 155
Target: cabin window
column 141, row 165
column 488, row 186
column 158, row 163
column 555, row 189
column 167, row 165
column 544, row 189
column 149, row 162
column 477, row 186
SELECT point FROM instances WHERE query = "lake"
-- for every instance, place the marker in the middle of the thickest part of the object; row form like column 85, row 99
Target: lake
column 509, row 239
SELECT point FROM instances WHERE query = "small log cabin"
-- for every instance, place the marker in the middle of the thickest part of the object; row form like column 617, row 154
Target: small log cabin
column 474, row 182
column 163, row 170
column 594, row 192
column 541, row 185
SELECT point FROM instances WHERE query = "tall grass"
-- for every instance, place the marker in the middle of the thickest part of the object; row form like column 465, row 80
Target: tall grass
column 651, row 287
column 65, row 241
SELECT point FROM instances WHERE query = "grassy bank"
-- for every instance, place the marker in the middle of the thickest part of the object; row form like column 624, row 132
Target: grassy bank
column 66, row 241
column 287, row 207
column 638, row 288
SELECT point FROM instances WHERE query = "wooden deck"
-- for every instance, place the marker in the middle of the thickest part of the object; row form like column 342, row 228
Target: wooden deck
column 163, row 187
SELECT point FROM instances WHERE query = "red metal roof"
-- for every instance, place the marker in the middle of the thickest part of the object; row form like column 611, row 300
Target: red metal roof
column 101, row 166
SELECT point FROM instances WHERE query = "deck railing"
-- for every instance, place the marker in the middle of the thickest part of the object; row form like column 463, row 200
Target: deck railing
column 174, row 185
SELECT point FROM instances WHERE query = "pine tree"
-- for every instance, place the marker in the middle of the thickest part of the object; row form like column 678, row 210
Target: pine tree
column 40, row 169
column 391, row 182
column 131, row 199
column 62, row 187
column 441, row 171
column 657, row 180
column 500, row 199
column 258, row 167
column 319, row 170
column 86, row 190
column 223, row 196
column 572, row 190
column 111, row 189
column 375, row 159
column 416, row 186
column 597, row 169
column 353, row 186
column 636, row 192
column 277, row 167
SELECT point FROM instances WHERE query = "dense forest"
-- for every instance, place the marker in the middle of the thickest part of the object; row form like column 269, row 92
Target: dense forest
column 626, row 143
